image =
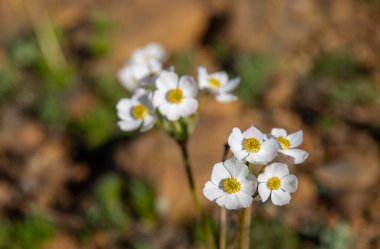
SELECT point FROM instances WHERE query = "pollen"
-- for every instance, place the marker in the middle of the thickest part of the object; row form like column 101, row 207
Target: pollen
column 252, row 145
column 274, row 183
column 175, row 96
column 139, row 112
column 284, row 143
column 214, row 83
column 231, row 185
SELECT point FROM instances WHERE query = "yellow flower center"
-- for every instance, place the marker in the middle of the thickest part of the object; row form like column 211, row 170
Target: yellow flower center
column 284, row 143
column 175, row 96
column 231, row 185
column 274, row 183
column 139, row 111
column 214, row 83
column 252, row 145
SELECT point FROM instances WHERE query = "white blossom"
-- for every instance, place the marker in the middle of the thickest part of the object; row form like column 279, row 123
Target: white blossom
column 175, row 97
column 136, row 112
column 231, row 185
column 218, row 84
column 252, row 146
column 288, row 144
column 276, row 182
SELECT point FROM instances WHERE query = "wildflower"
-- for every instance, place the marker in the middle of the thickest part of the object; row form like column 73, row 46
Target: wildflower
column 288, row 143
column 218, row 84
column 175, row 97
column 252, row 146
column 133, row 76
column 277, row 182
column 136, row 112
column 151, row 52
column 231, row 185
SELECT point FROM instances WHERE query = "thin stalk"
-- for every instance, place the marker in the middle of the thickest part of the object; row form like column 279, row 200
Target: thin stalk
column 223, row 228
column 204, row 221
column 245, row 223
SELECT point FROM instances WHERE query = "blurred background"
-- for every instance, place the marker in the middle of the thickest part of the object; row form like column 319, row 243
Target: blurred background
column 70, row 179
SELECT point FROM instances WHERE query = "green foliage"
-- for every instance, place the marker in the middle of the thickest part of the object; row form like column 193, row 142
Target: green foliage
column 337, row 238
column 220, row 50
column 143, row 245
column 183, row 62
column 325, row 123
column 143, row 200
column 108, row 210
column 254, row 71
column 108, row 89
column 357, row 91
column 268, row 234
column 8, row 83
column 30, row 233
column 24, row 52
column 100, row 26
column 337, row 65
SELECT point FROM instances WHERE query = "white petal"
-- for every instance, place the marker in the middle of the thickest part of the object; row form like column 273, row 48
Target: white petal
column 295, row 156
column 231, row 85
column 268, row 150
column 188, row 107
column 278, row 132
column 249, row 184
column 167, row 81
column 125, row 76
column 235, row 139
column 188, row 86
column 253, row 132
column 170, row 111
column 212, row 191
column 230, row 202
column 225, row 97
column 280, row 170
column 124, row 105
column 236, row 168
column 148, row 123
column 129, row 125
column 280, row 197
column 159, row 98
column 264, row 191
column 219, row 173
column 244, row 199
column 289, row 183
column 222, row 77
column 266, row 174
column 240, row 154
column 296, row 138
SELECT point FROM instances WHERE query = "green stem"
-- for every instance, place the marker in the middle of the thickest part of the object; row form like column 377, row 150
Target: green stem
column 223, row 228
column 245, row 223
column 204, row 221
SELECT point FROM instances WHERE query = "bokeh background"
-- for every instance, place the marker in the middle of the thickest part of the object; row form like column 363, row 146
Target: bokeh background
column 70, row 179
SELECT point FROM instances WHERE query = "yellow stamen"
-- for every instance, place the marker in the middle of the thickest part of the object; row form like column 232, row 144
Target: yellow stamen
column 274, row 183
column 214, row 83
column 284, row 143
column 175, row 96
column 252, row 145
column 231, row 185
column 139, row 111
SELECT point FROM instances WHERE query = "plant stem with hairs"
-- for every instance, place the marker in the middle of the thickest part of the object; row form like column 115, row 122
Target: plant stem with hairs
column 205, row 224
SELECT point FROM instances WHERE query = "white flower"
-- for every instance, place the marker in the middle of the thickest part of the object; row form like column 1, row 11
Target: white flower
column 218, row 84
column 175, row 98
column 252, row 146
column 133, row 76
column 151, row 52
column 288, row 143
column 231, row 185
column 277, row 182
column 136, row 112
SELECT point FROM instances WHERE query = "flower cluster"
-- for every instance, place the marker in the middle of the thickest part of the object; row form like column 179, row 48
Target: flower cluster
column 161, row 96
column 232, row 186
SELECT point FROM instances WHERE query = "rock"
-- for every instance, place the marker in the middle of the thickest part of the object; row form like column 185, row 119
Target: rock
column 354, row 166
